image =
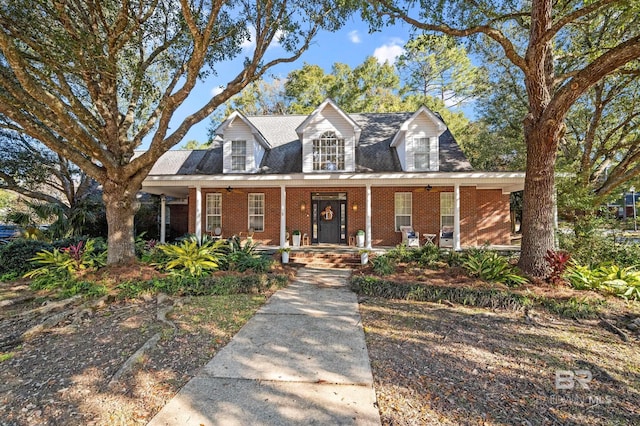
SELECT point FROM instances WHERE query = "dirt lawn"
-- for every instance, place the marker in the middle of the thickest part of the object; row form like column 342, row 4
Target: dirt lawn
column 432, row 363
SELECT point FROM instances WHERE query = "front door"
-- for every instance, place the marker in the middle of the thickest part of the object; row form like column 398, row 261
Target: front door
column 329, row 218
column 329, row 221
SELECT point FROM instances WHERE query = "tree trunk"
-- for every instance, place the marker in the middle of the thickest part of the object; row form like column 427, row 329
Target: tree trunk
column 539, row 187
column 121, row 206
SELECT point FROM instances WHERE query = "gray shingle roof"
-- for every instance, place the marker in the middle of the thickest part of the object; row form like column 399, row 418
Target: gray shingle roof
column 373, row 153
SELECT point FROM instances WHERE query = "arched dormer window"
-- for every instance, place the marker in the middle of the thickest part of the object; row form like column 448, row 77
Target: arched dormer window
column 328, row 152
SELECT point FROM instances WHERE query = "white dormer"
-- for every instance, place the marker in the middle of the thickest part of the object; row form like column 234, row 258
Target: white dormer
column 329, row 138
column 243, row 145
column 417, row 142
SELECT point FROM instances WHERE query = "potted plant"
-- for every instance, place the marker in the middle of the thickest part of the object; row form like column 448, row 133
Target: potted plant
column 296, row 238
column 364, row 256
column 284, row 253
column 360, row 238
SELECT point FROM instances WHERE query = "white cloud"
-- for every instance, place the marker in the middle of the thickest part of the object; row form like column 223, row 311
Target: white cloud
column 389, row 51
column 216, row 90
column 354, row 36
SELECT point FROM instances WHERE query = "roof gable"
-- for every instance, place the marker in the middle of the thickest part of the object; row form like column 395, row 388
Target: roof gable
column 328, row 103
column 430, row 115
column 237, row 115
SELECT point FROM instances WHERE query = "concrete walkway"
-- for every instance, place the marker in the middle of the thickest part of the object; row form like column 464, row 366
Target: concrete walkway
column 301, row 360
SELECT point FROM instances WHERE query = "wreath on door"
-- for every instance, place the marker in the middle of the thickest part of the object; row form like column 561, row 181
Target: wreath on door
column 327, row 213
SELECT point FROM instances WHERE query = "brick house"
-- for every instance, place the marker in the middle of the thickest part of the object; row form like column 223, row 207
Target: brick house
column 330, row 174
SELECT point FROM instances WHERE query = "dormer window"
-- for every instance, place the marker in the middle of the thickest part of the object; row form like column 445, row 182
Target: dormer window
column 328, row 152
column 422, row 149
column 238, row 156
column 421, row 154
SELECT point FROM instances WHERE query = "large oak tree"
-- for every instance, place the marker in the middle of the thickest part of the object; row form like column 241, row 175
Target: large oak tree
column 92, row 79
column 529, row 33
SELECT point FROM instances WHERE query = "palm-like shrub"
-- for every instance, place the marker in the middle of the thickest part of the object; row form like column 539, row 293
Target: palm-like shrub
column 608, row 278
column 68, row 260
column 196, row 258
column 490, row 266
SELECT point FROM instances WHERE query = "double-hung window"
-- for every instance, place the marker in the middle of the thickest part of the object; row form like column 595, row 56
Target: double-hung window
column 446, row 210
column 421, row 153
column 328, row 152
column 402, row 209
column 238, row 156
column 256, row 212
column 213, row 211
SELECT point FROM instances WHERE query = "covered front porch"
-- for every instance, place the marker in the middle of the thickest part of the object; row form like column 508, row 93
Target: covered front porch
column 331, row 209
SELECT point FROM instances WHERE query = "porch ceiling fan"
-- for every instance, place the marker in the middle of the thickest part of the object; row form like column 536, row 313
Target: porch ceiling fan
column 231, row 190
column 427, row 188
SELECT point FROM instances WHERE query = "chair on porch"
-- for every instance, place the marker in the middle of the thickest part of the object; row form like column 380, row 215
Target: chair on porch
column 410, row 237
column 446, row 237
column 216, row 234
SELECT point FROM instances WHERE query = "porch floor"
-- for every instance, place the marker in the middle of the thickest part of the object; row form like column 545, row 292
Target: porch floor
column 344, row 249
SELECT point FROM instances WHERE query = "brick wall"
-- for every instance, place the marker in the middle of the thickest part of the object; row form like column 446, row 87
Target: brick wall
column 484, row 214
column 494, row 220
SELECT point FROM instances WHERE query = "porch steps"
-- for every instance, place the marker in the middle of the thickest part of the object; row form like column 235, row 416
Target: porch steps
column 315, row 259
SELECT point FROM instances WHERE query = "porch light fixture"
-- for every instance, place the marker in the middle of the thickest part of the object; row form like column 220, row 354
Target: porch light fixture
column 303, row 206
column 354, row 207
column 428, row 188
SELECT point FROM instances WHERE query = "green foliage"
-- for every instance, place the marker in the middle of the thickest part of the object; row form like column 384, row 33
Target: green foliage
column 212, row 284
column 68, row 260
column 149, row 251
column 608, row 278
column 573, row 307
column 6, row 356
column 132, row 289
column 16, row 255
column 490, row 266
column 383, row 265
column 68, row 287
column 482, row 298
column 427, row 256
column 244, row 257
column 401, row 253
column 196, row 258
column 439, row 66
column 9, row 276
column 594, row 241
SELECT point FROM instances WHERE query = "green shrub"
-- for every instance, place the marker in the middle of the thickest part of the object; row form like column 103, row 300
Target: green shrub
column 383, row 265
column 218, row 285
column 9, row 276
column 427, row 255
column 194, row 257
column 608, row 278
column 66, row 261
column 482, row 298
column 452, row 258
column 68, row 286
column 490, row 266
column 16, row 255
column 593, row 243
column 403, row 254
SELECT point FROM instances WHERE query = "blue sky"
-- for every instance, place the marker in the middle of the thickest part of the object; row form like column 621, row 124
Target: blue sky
column 351, row 45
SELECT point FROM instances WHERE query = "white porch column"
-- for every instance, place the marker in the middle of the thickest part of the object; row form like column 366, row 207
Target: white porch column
column 198, row 212
column 368, row 217
column 283, row 215
column 456, row 217
column 163, row 218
